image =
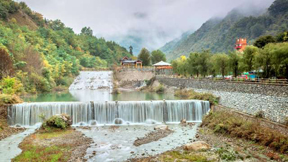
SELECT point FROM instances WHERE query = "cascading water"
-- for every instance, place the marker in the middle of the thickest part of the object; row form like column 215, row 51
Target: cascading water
column 133, row 112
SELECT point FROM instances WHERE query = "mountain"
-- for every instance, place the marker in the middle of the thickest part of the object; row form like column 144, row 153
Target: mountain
column 43, row 54
column 168, row 47
column 219, row 35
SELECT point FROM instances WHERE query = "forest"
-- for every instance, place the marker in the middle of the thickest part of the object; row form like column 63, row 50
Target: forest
column 268, row 56
column 41, row 55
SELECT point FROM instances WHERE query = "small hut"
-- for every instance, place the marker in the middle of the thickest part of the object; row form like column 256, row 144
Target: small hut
column 128, row 62
column 163, row 68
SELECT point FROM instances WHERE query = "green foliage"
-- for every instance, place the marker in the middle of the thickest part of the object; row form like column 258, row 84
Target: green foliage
column 87, row 31
column 47, row 56
column 9, row 99
column 157, row 56
column 227, row 155
column 234, row 63
column 278, row 7
column 160, row 88
column 144, row 56
column 62, row 121
column 262, row 41
column 249, row 57
column 220, row 63
column 191, row 94
column 11, row 86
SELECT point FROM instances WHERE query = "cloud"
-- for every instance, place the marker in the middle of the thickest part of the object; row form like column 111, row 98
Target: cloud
column 154, row 22
column 140, row 15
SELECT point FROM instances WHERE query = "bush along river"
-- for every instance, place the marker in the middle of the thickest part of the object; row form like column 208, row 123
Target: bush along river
column 131, row 126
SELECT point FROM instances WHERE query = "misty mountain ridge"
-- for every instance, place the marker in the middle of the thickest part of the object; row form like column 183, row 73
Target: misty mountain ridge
column 168, row 47
column 219, row 34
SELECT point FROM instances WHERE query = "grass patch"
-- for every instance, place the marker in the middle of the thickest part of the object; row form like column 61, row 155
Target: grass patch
column 182, row 156
column 40, row 147
column 53, row 134
column 228, row 123
column 50, row 153
column 191, row 94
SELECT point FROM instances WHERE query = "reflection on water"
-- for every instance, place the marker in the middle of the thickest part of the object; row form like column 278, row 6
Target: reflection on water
column 98, row 95
column 92, row 95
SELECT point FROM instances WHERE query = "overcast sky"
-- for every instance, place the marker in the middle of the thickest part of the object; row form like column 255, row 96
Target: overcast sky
column 155, row 22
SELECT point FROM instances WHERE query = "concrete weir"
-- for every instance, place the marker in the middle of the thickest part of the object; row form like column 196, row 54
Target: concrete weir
column 111, row 112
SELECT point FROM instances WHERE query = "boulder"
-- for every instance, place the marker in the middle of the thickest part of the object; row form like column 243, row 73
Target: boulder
column 118, row 121
column 183, row 121
column 198, row 145
column 93, row 123
column 161, row 127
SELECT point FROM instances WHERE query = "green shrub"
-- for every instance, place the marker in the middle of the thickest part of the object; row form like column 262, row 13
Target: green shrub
column 65, row 81
column 11, row 86
column 160, row 89
column 260, row 114
column 9, row 99
column 151, row 81
column 191, row 94
column 227, row 155
column 62, row 121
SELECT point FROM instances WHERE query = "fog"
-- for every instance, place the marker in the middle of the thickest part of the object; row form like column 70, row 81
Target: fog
column 145, row 23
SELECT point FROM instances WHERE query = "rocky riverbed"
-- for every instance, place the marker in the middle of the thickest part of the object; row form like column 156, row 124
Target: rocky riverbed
column 116, row 143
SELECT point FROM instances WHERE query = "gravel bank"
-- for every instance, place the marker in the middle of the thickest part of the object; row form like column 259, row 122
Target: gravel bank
column 275, row 108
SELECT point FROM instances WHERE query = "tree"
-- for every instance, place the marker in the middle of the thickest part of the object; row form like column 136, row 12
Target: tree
column 262, row 41
column 131, row 50
column 157, row 56
column 193, row 64
column 282, row 37
column 3, row 12
column 220, row 63
column 87, row 31
column 234, row 61
column 249, row 57
column 263, row 60
column 144, row 56
column 280, row 57
column 6, row 64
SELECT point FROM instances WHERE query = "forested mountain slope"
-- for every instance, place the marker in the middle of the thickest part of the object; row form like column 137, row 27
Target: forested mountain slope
column 42, row 54
column 170, row 46
column 220, row 35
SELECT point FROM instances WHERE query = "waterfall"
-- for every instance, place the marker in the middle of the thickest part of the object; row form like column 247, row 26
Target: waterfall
column 133, row 112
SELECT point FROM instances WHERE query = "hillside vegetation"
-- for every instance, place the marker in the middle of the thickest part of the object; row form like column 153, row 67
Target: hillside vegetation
column 219, row 35
column 40, row 54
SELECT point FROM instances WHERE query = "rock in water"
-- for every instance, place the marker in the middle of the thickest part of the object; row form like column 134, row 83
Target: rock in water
column 161, row 127
column 93, row 123
column 198, row 145
column 118, row 121
column 183, row 121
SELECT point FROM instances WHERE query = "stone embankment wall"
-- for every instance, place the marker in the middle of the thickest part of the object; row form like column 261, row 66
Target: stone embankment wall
column 248, row 98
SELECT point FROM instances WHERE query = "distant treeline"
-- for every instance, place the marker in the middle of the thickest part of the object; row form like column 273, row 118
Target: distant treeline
column 268, row 55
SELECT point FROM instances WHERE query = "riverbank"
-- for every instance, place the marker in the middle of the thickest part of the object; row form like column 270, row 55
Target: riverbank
column 5, row 129
column 228, row 146
column 62, row 145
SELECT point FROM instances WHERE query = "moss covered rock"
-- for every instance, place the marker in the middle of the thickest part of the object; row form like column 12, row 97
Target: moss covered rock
column 61, row 121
